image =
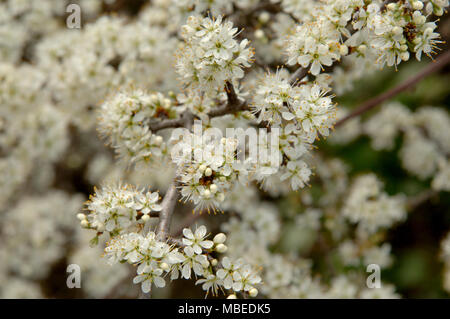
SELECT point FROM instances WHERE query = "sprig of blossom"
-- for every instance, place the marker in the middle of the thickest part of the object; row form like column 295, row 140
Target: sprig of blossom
column 211, row 55
column 117, row 209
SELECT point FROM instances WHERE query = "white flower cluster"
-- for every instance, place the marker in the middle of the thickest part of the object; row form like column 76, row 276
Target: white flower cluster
column 306, row 107
column 116, row 210
column 156, row 259
column 206, row 169
column 211, row 55
column 370, row 208
column 387, row 34
column 125, row 120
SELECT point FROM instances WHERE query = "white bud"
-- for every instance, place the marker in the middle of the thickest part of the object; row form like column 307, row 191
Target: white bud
column 146, row 218
column 84, row 223
column 207, row 193
column 362, row 48
column 343, row 50
column 214, row 262
column 264, row 17
column 205, row 263
column 391, row 6
column 202, row 168
column 397, row 30
column 404, row 56
column 233, row 296
column 418, row 18
column 438, row 12
column 158, row 140
column 403, row 47
column 208, row 172
column 253, row 292
column 259, row 34
column 213, row 188
column 220, row 238
column 221, row 248
column 222, row 178
column 417, row 5
column 81, row 216
column 164, row 266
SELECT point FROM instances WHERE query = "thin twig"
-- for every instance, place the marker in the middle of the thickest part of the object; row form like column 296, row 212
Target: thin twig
column 165, row 216
column 436, row 65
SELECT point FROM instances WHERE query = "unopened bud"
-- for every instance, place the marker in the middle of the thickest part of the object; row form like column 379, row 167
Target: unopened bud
column 253, row 292
column 417, row 5
column 391, row 6
column 343, row 50
column 164, row 266
column 397, row 30
column 264, row 17
column 208, row 172
column 404, row 56
column 220, row 238
column 158, row 140
column 259, row 34
column 362, row 48
column 81, row 216
column 145, row 218
column 221, row 248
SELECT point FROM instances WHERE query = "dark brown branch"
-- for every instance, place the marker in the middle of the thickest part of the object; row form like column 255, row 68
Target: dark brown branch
column 432, row 67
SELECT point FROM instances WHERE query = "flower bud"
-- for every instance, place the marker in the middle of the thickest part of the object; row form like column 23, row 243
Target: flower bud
column 362, row 48
column 417, row 5
column 213, row 188
column 81, row 216
column 164, row 266
column 202, row 168
column 259, row 34
column 253, row 292
column 158, row 140
column 404, row 56
column 214, row 262
column 146, row 218
column 391, row 6
column 220, row 238
column 207, row 193
column 208, row 172
column 264, row 17
column 343, row 49
column 84, row 223
column 233, row 296
column 221, row 248
column 397, row 30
